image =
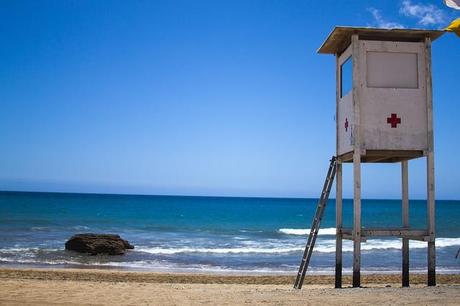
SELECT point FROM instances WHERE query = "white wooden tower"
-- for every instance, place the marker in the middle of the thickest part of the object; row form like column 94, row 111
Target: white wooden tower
column 384, row 115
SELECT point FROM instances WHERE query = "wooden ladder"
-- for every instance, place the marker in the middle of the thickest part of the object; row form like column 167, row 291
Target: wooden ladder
column 316, row 224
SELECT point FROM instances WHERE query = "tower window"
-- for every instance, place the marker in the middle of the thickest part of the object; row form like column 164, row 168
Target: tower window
column 346, row 77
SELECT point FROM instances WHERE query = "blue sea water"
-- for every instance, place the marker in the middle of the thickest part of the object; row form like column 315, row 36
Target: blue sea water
column 211, row 234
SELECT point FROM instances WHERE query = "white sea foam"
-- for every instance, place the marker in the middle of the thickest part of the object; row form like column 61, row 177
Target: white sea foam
column 266, row 247
column 444, row 242
column 17, row 250
column 328, row 246
column 236, row 250
column 47, row 229
column 162, row 266
column 304, row 232
column 39, row 261
column 79, row 227
column 322, row 245
column 39, row 228
column 25, row 250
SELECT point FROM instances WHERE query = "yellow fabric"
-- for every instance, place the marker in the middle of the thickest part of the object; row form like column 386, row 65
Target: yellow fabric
column 454, row 27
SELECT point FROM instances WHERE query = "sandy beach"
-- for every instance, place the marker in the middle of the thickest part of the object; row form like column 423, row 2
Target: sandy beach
column 102, row 287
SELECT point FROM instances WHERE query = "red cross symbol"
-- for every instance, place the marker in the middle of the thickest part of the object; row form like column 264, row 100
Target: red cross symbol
column 394, row 120
column 346, row 124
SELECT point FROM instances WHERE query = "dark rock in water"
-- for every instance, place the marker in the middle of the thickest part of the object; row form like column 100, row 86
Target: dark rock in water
column 98, row 244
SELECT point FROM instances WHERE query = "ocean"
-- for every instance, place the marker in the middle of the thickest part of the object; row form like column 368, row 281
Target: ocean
column 211, row 234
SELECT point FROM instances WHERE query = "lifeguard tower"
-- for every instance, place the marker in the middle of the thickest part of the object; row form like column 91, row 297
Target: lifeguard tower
column 383, row 115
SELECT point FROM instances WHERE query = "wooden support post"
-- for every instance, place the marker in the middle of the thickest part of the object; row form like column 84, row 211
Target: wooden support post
column 405, row 222
column 338, row 186
column 357, row 220
column 430, row 169
column 431, row 221
column 338, row 221
column 356, row 128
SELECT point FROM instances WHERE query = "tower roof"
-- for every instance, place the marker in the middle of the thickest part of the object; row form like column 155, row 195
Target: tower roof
column 339, row 39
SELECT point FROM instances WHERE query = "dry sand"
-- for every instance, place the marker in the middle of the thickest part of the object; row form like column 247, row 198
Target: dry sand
column 102, row 287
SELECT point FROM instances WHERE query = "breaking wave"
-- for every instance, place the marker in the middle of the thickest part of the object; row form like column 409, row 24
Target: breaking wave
column 323, row 246
column 304, row 232
column 236, row 250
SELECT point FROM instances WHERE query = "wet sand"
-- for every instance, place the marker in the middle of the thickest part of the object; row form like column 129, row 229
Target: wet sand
column 110, row 287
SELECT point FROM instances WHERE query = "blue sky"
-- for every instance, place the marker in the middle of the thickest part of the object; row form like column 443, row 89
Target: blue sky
column 197, row 97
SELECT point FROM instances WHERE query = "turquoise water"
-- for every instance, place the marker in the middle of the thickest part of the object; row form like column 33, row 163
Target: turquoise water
column 210, row 234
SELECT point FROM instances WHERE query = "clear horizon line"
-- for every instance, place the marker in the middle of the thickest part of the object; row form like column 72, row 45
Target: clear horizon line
column 206, row 196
